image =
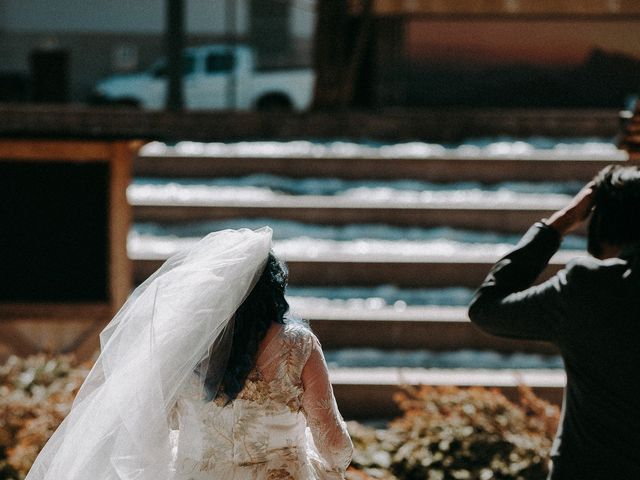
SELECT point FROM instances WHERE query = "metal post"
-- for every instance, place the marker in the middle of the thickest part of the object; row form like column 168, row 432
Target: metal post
column 232, row 84
column 174, row 45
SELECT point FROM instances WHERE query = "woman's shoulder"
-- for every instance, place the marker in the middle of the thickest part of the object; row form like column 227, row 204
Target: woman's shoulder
column 297, row 328
column 297, row 333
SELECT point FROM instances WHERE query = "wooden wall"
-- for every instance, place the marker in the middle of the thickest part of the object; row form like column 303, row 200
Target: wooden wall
column 37, row 321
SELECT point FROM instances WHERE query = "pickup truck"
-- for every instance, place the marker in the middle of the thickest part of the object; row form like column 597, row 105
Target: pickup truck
column 215, row 77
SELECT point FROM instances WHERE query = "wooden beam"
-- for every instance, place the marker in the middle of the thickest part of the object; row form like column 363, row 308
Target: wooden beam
column 414, row 327
column 120, row 267
column 53, row 311
column 66, row 150
column 368, row 392
column 424, row 274
column 448, row 168
column 120, row 217
column 14, row 341
column 24, row 336
column 622, row 9
column 86, row 318
column 433, row 125
column 512, row 220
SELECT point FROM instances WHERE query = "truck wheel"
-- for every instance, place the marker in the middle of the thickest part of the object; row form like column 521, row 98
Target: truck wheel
column 274, row 103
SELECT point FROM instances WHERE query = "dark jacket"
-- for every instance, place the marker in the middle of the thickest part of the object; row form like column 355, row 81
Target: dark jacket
column 591, row 311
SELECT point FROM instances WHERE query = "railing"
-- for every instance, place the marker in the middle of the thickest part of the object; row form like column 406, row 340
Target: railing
column 436, row 125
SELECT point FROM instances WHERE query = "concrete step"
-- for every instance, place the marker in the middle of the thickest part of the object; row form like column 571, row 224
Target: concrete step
column 337, row 269
column 412, row 327
column 336, row 211
column 368, row 392
column 539, row 166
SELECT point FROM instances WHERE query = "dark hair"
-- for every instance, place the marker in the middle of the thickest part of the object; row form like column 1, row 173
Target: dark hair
column 264, row 305
column 616, row 213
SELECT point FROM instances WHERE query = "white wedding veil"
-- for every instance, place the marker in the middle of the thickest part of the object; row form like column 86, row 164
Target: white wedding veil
column 173, row 326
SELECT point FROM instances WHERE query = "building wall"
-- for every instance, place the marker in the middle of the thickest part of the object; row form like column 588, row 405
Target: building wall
column 512, row 62
column 113, row 16
column 542, row 42
column 107, row 36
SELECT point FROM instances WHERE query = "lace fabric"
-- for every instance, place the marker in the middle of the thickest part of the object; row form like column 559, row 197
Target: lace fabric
column 284, row 424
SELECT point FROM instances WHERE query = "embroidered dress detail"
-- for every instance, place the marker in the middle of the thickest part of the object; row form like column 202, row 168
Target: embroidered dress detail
column 284, row 424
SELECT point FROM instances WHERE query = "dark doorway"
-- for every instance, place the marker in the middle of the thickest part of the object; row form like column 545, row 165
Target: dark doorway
column 54, row 232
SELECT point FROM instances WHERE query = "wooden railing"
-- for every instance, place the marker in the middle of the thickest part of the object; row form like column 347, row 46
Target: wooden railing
column 435, row 125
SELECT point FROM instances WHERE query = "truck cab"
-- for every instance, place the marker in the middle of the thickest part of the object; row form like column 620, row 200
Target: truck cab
column 215, row 77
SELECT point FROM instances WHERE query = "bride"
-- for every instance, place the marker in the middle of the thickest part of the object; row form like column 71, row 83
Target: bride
column 201, row 377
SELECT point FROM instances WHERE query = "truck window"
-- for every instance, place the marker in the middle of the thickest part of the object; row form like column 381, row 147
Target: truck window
column 219, row 62
column 188, row 66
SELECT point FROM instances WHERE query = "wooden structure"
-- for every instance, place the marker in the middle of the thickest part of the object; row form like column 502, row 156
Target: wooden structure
column 338, row 211
column 361, row 392
column 367, row 391
column 429, row 327
column 64, row 233
column 445, row 168
column 434, row 125
column 360, row 49
column 622, row 9
column 370, row 272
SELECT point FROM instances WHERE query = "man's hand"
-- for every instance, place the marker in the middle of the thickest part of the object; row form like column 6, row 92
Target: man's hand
column 578, row 210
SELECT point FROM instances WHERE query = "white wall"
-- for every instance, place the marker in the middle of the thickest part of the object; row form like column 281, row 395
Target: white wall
column 113, row 16
column 139, row 16
column 65, row 16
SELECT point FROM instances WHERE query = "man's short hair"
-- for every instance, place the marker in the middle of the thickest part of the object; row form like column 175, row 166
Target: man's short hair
column 616, row 213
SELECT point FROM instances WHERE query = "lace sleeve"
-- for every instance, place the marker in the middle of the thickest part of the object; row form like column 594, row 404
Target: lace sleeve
column 325, row 422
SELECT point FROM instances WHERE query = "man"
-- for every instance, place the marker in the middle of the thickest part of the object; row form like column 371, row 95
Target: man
column 591, row 311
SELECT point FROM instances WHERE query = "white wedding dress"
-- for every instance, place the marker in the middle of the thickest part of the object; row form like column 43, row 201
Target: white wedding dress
column 284, row 424
column 140, row 414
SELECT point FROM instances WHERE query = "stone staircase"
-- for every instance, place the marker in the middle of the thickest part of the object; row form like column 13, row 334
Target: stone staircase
column 366, row 392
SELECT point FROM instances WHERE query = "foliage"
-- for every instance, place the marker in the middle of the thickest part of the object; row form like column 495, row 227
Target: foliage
column 450, row 433
column 36, row 394
column 7, row 472
column 444, row 432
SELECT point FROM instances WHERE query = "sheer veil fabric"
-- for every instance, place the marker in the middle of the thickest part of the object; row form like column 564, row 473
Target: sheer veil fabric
column 180, row 319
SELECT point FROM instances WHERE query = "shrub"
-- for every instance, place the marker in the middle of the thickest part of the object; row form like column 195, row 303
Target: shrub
column 444, row 432
column 36, row 394
column 450, row 433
